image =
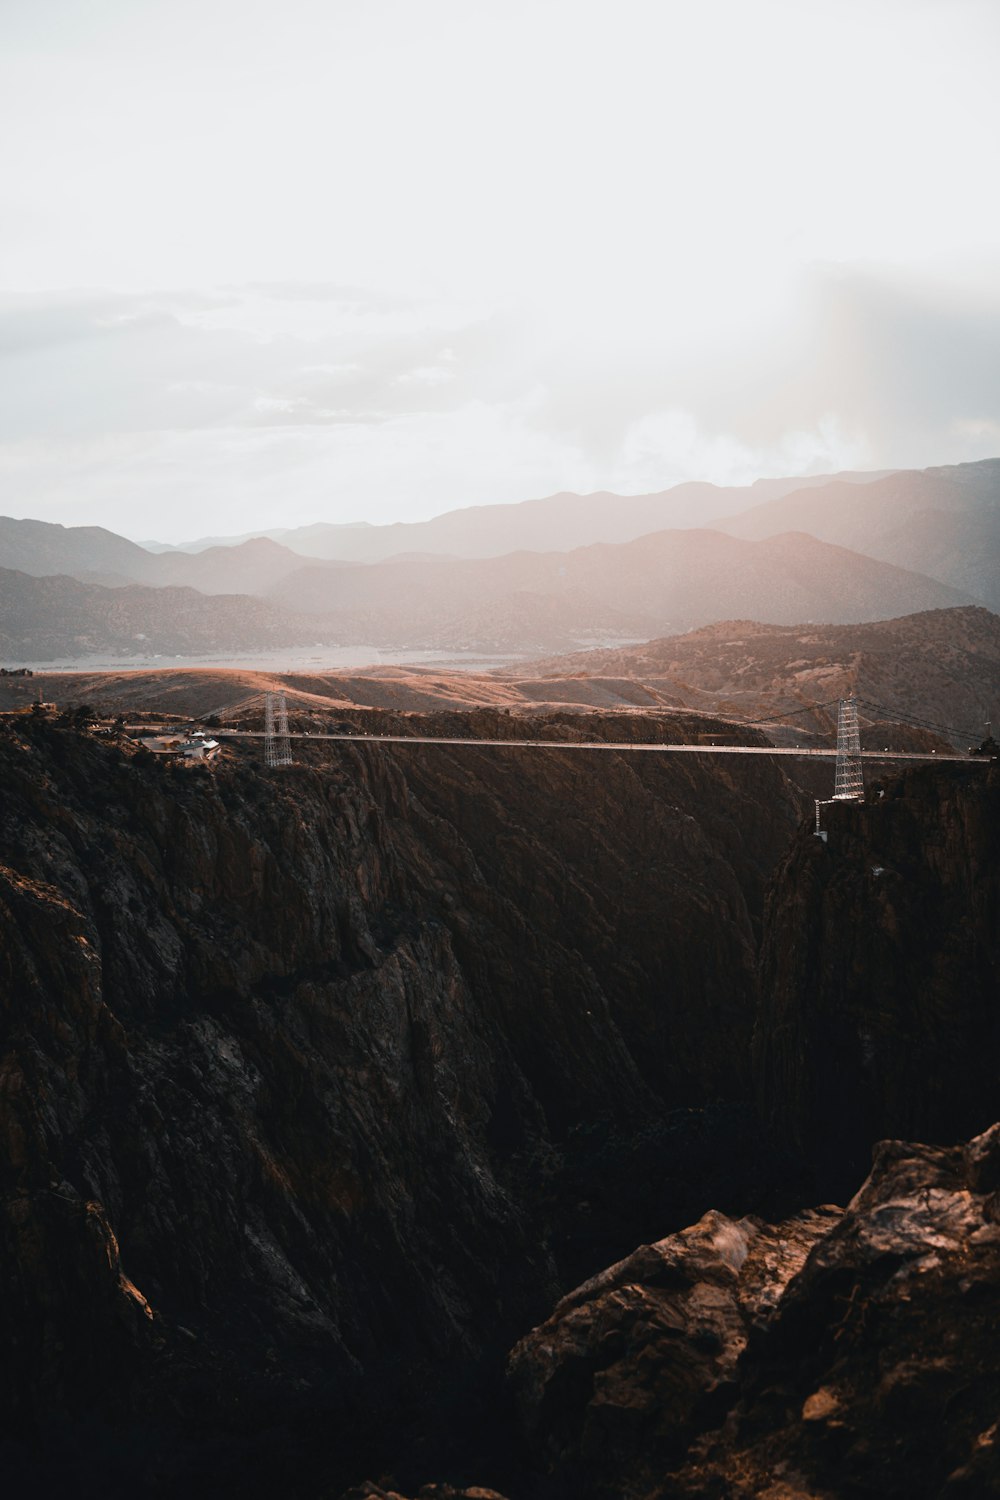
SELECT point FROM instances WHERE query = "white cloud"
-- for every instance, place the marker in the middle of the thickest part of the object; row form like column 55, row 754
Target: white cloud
column 670, row 443
column 135, row 414
column 426, row 375
column 233, row 479
column 667, row 447
column 438, row 252
column 980, row 428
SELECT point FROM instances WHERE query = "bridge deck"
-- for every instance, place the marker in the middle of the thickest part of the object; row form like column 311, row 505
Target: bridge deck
column 616, row 745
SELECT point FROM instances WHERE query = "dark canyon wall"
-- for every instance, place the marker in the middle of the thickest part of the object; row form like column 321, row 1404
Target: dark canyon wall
column 282, row 1053
column 880, row 973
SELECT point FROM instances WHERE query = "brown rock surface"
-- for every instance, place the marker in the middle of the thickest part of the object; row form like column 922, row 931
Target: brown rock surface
column 877, row 1374
column 830, row 1356
column 427, row 1492
column 630, row 1366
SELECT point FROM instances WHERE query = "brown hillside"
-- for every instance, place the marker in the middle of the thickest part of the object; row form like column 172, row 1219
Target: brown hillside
column 940, row 665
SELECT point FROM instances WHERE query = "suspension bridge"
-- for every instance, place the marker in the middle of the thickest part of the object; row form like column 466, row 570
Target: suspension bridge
column 847, row 755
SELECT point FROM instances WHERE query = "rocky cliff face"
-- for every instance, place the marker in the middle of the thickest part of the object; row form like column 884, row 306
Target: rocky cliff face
column 880, row 973
column 284, row 1054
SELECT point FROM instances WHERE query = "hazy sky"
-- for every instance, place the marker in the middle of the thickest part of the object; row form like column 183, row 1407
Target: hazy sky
column 270, row 263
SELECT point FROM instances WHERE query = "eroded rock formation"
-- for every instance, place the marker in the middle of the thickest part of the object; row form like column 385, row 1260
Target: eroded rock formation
column 631, row 1365
column 832, row 1355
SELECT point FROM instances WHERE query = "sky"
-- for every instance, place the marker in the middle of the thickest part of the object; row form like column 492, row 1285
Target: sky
column 344, row 260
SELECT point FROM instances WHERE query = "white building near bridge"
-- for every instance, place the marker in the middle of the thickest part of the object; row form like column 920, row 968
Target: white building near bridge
column 191, row 749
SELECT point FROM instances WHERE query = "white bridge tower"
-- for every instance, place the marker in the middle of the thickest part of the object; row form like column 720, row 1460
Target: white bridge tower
column 848, row 785
column 848, row 782
column 277, row 745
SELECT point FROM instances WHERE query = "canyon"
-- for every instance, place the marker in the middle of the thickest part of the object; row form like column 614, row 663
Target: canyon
column 322, row 1086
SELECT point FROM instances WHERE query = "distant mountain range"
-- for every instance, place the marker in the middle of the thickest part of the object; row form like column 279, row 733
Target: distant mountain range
column 94, row 555
column 852, row 548
column 944, row 522
column 526, row 602
column 671, row 580
column 42, row 619
column 254, row 563
column 556, row 523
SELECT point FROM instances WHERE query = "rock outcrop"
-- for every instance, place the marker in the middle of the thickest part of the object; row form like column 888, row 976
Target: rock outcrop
column 833, row 1355
column 632, row 1365
column 427, row 1492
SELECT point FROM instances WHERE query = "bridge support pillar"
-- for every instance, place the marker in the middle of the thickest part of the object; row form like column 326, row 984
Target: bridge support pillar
column 277, row 745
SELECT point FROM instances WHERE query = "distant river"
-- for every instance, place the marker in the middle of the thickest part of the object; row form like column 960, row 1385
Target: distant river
column 286, row 659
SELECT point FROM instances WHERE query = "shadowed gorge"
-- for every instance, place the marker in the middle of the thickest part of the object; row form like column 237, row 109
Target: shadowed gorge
column 307, row 1052
column 879, row 975
column 323, row 1086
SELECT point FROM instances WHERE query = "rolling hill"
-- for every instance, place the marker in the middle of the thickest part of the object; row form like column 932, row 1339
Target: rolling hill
column 942, row 666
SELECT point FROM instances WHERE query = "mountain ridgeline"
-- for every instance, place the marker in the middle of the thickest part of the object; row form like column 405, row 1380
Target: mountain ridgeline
column 547, row 575
column 671, row 581
column 941, row 521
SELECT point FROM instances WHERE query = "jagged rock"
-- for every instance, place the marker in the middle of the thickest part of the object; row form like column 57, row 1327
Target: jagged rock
column 878, row 1373
column 426, row 1492
column 632, row 1364
column 861, row 1363
column 982, row 1161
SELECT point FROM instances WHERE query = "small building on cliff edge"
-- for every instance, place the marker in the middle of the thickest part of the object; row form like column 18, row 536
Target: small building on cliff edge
column 194, row 749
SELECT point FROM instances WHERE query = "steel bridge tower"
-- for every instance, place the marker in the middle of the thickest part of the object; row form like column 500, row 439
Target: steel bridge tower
column 277, row 745
column 848, row 784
